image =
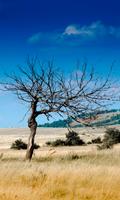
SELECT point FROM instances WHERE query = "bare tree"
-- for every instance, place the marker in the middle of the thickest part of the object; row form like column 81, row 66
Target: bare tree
column 47, row 91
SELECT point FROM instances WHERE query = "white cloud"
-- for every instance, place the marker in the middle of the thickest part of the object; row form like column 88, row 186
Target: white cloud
column 71, row 30
column 96, row 28
column 44, row 38
column 75, row 30
column 75, row 35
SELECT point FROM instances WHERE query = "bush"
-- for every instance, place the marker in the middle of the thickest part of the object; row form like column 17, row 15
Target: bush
column 72, row 139
column 96, row 141
column 19, row 144
column 48, row 143
column 36, row 146
column 89, row 142
column 111, row 137
column 56, row 143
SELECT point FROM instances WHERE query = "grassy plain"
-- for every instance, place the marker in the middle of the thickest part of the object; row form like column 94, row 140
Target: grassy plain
column 69, row 173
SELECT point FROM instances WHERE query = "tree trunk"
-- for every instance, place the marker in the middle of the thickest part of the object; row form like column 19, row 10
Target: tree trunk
column 30, row 147
column 32, row 124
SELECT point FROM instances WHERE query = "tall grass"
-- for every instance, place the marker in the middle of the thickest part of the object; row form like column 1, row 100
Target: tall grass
column 93, row 176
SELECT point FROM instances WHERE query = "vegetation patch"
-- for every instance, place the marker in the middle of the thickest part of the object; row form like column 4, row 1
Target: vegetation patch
column 111, row 137
column 72, row 139
column 96, row 141
column 19, row 144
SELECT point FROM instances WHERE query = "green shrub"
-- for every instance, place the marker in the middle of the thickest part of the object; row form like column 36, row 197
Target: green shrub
column 72, row 139
column 19, row 144
column 111, row 137
column 48, row 143
column 36, row 146
column 56, row 143
column 96, row 141
column 89, row 142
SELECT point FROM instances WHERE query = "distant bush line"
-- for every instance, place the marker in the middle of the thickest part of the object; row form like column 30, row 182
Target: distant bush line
column 111, row 137
column 72, row 139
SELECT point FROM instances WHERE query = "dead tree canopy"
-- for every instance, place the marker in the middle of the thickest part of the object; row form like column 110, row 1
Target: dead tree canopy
column 48, row 91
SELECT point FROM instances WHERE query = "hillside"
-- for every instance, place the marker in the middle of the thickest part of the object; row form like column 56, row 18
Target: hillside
column 103, row 118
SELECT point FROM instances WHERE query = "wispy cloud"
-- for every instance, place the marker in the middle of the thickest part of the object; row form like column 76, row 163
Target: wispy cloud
column 34, row 38
column 95, row 29
column 79, row 31
column 44, row 38
column 76, row 34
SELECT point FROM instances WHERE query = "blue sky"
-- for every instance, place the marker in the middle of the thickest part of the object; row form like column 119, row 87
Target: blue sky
column 64, row 30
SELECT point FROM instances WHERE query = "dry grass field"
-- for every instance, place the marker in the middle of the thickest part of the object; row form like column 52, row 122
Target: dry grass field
column 65, row 173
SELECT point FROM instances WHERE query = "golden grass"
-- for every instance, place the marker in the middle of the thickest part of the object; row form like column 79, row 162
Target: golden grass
column 88, row 176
